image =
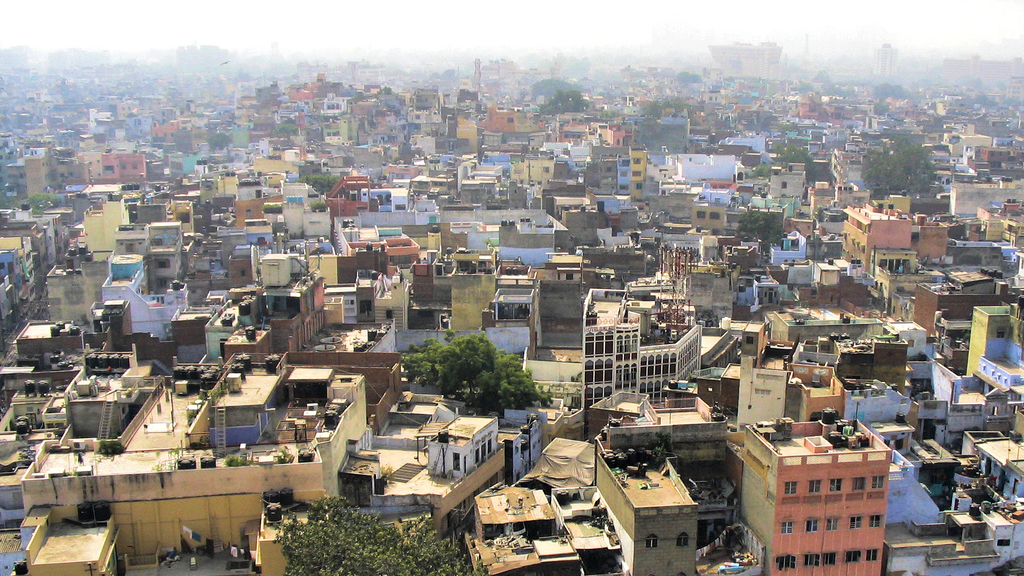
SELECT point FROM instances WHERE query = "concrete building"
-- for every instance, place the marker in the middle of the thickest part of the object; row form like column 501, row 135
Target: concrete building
column 815, row 494
column 886, row 59
column 748, row 60
column 654, row 515
column 614, row 360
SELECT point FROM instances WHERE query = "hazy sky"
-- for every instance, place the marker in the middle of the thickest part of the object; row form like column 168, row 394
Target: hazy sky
column 987, row 27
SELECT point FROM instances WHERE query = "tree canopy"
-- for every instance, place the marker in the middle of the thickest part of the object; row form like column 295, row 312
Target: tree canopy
column 687, row 77
column 898, row 166
column 765, row 227
column 219, row 140
column 565, row 101
column 791, row 154
column 338, row 540
column 322, row 183
column 663, row 108
column 551, row 86
column 472, row 369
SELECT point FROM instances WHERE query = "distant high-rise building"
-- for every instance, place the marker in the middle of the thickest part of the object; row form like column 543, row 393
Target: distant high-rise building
column 748, row 60
column 885, row 60
column 989, row 71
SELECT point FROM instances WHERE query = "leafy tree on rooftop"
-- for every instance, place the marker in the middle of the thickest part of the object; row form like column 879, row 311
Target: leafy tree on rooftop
column 762, row 226
column 338, row 540
column 473, row 370
column 322, row 183
column 899, row 166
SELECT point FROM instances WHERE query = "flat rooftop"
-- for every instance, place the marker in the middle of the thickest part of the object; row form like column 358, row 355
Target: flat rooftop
column 654, row 490
column 164, row 425
column 256, row 390
column 67, row 543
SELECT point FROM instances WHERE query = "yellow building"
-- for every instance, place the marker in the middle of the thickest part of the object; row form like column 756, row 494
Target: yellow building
column 157, row 498
column 987, row 323
column 468, row 134
column 893, row 202
column 101, row 225
column 638, row 171
column 533, row 170
column 58, row 548
column 266, row 165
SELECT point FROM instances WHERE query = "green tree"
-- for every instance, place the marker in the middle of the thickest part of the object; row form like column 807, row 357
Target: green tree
column 884, row 91
column 565, row 101
column 899, row 165
column 813, row 172
column 765, row 227
column 473, row 370
column 41, row 201
column 548, row 88
column 762, row 171
column 322, row 183
column 687, row 77
column 663, row 108
column 287, row 129
column 338, row 540
column 219, row 140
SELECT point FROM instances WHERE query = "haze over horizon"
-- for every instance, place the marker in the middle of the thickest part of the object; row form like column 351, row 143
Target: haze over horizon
column 807, row 30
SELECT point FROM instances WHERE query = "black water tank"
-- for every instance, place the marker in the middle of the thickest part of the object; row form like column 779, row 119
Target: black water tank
column 207, row 462
column 975, row 511
column 829, row 416
column 101, row 511
column 21, row 567
column 85, row 512
column 272, row 497
column 274, row 513
column 287, row 497
column 43, row 388
column 305, row 455
column 30, row 388
column 271, row 362
column 186, row 463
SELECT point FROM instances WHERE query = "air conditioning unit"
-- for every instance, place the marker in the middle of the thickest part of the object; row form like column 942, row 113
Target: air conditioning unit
column 78, row 445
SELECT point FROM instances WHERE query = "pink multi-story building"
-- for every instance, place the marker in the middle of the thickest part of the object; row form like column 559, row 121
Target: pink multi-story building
column 815, row 494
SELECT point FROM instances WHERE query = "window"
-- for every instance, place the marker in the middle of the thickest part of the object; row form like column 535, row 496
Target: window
column 636, row 161
column 651, row 541
column 852, row 556
column 702, row 214
column 789, row 488
column 812, row 559
column 785, row 184
column 835, row 485
column 683, row 539
column 1003, row 542
column 785, row 562
column 871, row 555
column 455, row 462
column 750, row 340
column 877, row 482
column 814, row 487
column 875, row 521
column 859, row 483
column 832, row 524
column 828, row 559
column 855, row 522
column 365, row 306
column 811, row 525
column 1000, row 333
column 715, row 216
column 787, row 527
